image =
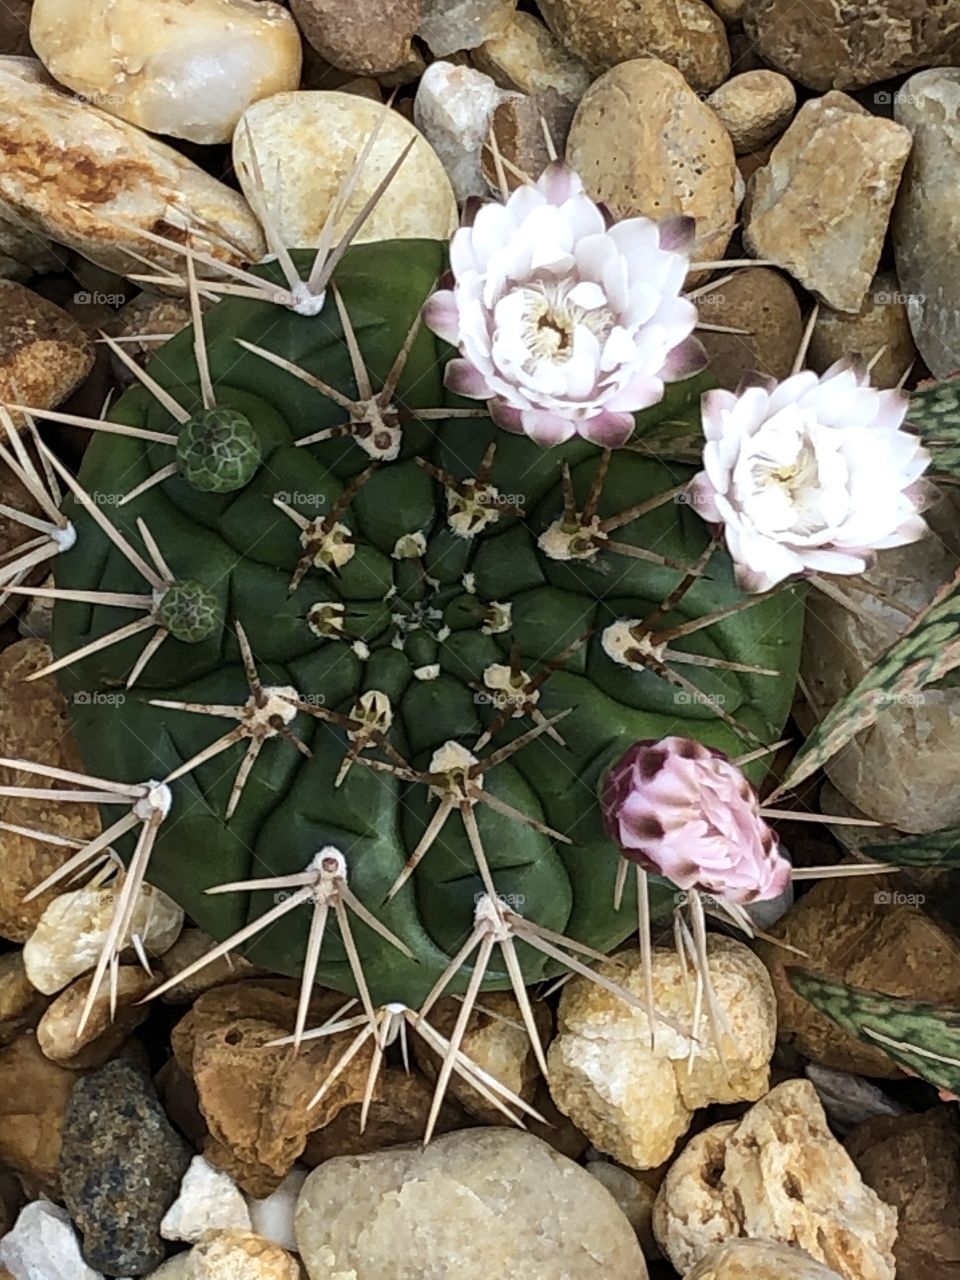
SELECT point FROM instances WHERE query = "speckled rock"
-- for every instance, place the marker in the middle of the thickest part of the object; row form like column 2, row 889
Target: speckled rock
column 240, row 1255
column 497, row 1041
column 634, row 1102
column 398, row 1115
column 272, row 1217
column 190, row 946
column 33, row 726
column 759, row 1260
column 364, row 38
column 755, row 107
column 44, row 355
column 466, row 1203
column 527, row 57
column 776, row 1174
column 685, row 33
column 313, row 139
column 761, row 301
column 881, row 323
column 58, row 1031
column 183, row 68
column 86, row 179
column 44, row 1246
column 820, row 207
column 256, row 1099
column 828, row 44
column 452, row 110
column 21, row 1004
column 900, row 771
column 208, row 1200
column 449, row 26
column 644, row 143
column 71, row 932
column 120, row 1168
column 859, row 935
column 34, row 1093
column 926, row 222
column 635, row 1198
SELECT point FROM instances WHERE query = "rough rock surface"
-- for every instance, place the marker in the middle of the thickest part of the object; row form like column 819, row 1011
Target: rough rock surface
column 820, row 207
column 240, row 1255
column 70, row 934
column 761, row 301
column 879, row 327
column 685, row 33
column 365, row 38
column 466, row 1203
column 828, row 44
column 858, row 933
column 44, row 354
column 913, row 1163
column 190, row 946
column 44, row 1246
column 256, row 1099
column 452, row 110
column 184, row 68
column 208, row 1200
column 120, row 1167
column 644, row 143
column 33, row 726
column 79, row 176
column 58, row 1032
column 755, row 107
column 449, row 26
column 633, row 1102
column 759, row 1260
column 307, row 143
column 528, row 58
column 34, row 1094
column 898, row 772
column 777, row 1174
column 926, row 222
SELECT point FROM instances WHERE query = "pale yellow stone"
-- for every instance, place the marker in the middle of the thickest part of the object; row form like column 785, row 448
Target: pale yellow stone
column 633, row 1102
column 480, row 1204
column 240, row 1255
column 754, row 107
column 77, row 175
column 186, row 68
column 307, row 143
column 759, row 1260
column 58, row 1032
column 71, row 932
column 528, row 58
column 777, row 1174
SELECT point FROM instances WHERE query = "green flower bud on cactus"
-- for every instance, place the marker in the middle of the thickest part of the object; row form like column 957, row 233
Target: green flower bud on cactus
column 413, row 695
column 218, row 451
column 190, row 612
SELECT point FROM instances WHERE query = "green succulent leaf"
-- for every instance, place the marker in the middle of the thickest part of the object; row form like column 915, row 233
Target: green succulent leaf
column 922, row 1038
column 933, row 849
column 421, row 629
column 935, row 412
column 925, row 653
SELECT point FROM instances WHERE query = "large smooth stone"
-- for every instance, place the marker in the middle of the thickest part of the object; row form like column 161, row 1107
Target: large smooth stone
column 926, row 219
column 305, row 145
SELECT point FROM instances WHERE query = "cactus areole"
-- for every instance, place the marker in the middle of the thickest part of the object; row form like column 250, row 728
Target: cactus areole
column 418, row 594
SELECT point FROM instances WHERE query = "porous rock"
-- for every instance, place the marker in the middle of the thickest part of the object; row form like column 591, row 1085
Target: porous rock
column 71, row 933
column 44, row 355
column 34, row 1093
column 860, row 935
column 528, row 58
column 120, row 1167
column 365, row 38
column 466, row 1203
column 58, row 1032
column 879, row 333
column 644, row 143
column 184, row 68
column 761, row 302
column 256, row 1099
column 77, row 175
column 306, row 144
column 821, row 206
column 926, row 221
column 755, row 107
column 759, row 1260
column 685, row 33
column 776, row 1174
column 240, row 1255
column 34, row 726
column 634, row 1101
column 208, row 1200
column 913, row 1163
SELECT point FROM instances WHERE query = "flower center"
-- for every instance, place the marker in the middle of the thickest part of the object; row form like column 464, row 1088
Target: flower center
column 551, row 319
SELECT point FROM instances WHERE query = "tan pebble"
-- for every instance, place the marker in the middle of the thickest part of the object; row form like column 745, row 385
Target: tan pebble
column 59, row 1035
column 528, row 58
column 34, row 1093
column 880, row 327
column 755, row 107
column 762, row 302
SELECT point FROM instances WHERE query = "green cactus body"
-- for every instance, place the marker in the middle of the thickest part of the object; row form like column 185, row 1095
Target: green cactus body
column 415, row 596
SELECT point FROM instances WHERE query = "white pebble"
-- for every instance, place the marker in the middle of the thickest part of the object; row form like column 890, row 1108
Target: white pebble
column 208, row 1200
column 44, row 1246
column 272, row 1218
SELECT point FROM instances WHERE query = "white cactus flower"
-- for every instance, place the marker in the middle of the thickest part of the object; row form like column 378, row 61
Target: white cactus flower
column 812, row 475
column 564, row 325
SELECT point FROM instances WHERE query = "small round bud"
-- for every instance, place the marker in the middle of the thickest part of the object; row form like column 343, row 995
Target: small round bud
column 189, row 611
column 218, row 451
